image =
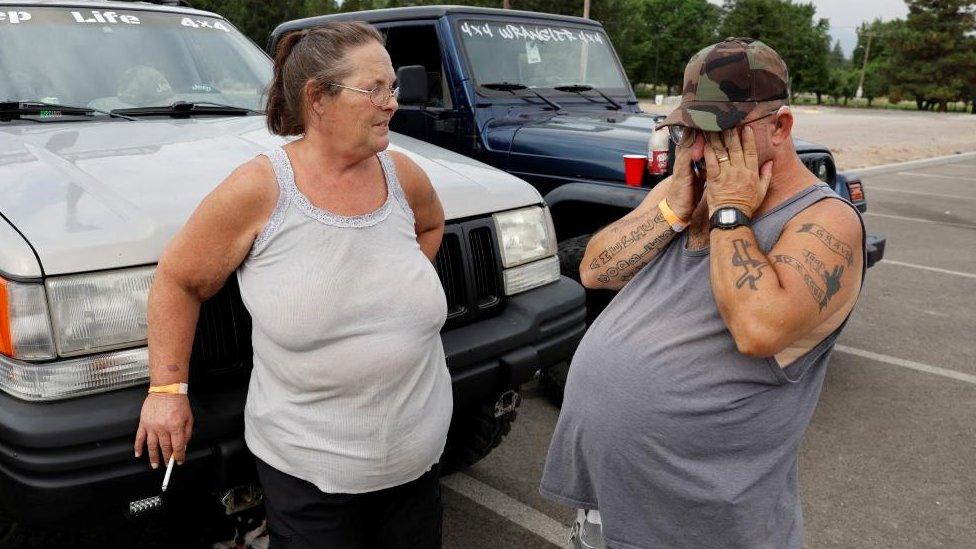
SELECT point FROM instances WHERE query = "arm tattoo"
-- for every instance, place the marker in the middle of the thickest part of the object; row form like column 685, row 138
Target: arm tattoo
column 840, row 248
column 637, row 261
column 831, row 280
column 751, row 268
column 627, row 240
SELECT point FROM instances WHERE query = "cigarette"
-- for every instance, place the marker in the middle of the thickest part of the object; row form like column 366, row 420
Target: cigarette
column 169, row 471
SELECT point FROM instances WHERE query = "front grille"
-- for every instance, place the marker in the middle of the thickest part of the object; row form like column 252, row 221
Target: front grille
column 467, row 264
column 222, row 343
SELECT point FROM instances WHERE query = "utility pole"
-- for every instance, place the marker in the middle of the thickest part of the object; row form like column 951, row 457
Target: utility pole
column 586, row 9
column 864, row 66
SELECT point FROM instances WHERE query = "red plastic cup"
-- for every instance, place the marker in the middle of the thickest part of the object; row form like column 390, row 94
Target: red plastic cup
column 634, row 166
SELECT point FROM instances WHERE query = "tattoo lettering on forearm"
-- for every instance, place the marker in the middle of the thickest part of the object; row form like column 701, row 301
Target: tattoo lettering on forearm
column 751, row 268
column 820, row 295
column 840, row 248
column 172, row 367
column 627, row 240
column 627, row 268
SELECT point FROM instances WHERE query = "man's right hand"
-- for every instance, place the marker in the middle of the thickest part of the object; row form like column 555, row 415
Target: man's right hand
column 165, row 427
column 685, row 191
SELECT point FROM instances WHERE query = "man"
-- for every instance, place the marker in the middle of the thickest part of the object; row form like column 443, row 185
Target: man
column 689, row 395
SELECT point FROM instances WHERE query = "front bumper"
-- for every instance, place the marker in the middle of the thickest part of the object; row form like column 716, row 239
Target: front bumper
column 71, row 462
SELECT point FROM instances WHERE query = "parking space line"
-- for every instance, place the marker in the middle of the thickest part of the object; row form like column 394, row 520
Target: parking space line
column 515, row 511
column 923, row 193
column 910, row 364
column 920, row 220
column 926, row 268
column 917, row 174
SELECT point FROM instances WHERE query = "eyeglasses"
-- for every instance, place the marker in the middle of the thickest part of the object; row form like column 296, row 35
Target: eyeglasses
column 378, row 96
column 684, row 137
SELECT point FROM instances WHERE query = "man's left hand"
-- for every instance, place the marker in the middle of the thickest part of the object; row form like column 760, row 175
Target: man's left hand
column 734, row 177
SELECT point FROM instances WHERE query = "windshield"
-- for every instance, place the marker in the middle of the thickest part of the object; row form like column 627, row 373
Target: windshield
column 128, row 58
column 540, row 55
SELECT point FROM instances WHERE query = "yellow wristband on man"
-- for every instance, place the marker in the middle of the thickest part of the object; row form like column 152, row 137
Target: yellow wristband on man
column 677, row 224
column 172, row 388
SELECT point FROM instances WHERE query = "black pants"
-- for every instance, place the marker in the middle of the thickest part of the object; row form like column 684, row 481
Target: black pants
column 302, row 516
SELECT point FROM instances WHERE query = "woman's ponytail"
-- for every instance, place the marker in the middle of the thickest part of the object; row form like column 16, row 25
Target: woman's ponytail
column 282, row 119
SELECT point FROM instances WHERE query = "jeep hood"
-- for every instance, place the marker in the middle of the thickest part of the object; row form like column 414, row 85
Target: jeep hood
column 585, row 145
column 109, row 194
column 588, row 146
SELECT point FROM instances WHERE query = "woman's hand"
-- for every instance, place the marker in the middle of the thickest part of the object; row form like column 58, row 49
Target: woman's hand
column 736, row 181
column 685, row 191
column 165, row 425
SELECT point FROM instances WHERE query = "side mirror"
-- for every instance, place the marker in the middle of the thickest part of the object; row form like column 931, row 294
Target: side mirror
column 413, row 84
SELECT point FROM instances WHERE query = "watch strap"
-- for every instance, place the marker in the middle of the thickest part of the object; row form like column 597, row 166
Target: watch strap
column 729, row 218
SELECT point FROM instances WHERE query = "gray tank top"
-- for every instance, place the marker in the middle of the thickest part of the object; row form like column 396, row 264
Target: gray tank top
column 350, row 389
column 676, row 437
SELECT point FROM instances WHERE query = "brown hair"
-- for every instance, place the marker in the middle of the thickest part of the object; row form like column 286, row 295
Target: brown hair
column 317, row 54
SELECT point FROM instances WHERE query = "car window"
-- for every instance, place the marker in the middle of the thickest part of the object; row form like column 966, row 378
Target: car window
column 128, row 58
column 540, row 55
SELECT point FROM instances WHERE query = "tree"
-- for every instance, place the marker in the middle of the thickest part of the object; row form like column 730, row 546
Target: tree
column 790, row 29
column 836, row 59
column 256, row 19
column 933, row 57
column 675, row 30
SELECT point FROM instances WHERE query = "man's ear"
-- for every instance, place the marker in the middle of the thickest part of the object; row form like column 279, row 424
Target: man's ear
column 782, row 126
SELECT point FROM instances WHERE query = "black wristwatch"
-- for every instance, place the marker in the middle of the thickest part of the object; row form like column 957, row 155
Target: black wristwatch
column 729, row 218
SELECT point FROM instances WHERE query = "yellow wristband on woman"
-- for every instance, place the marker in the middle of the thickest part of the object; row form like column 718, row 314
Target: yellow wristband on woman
column 677, row 224
column 172, row 388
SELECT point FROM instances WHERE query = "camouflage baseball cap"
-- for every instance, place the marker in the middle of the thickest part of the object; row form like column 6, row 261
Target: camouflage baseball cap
column 730, row 83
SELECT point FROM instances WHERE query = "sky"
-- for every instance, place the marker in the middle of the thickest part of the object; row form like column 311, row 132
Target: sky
column 846, row 15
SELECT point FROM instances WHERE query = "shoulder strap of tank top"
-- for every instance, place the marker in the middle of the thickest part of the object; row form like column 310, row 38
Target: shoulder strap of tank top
column 769, row 226
column 393, row 182
column 282, row 171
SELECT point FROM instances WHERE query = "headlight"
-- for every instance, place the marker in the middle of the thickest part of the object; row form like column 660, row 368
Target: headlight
column 74, row 377
column 25, row 328
column 525, row 235
column 528, row 245
column 99, row 311
column 531, row 275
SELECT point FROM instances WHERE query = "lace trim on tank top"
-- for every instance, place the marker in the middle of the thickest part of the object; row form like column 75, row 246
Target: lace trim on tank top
column 286, row 181
column 276, row 216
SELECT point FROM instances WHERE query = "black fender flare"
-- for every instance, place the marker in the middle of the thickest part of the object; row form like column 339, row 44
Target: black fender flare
column 583, row 207
column 606, row 194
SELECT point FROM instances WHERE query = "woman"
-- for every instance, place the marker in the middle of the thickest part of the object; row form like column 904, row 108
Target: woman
column 332, row 238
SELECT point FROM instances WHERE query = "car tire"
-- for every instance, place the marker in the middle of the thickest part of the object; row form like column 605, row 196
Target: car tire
column 475, row 433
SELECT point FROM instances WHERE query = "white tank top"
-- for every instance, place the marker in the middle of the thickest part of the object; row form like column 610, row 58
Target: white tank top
column 350, row 389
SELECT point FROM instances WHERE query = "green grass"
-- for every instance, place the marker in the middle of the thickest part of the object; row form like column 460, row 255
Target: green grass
column 878, row 103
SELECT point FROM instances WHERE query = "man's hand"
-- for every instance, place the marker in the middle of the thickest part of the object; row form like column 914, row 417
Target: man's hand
column 685, row 191
column 734, row 177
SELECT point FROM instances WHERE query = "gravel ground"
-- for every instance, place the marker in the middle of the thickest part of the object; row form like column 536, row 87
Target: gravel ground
column 865, row 137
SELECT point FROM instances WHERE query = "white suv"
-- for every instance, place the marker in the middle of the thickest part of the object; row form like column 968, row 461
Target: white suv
column 116, row 119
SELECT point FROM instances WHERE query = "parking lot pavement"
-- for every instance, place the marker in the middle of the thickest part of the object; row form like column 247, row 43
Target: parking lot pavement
column 888, row 459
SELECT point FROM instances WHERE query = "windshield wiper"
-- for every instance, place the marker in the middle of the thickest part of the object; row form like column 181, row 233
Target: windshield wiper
column 15, row 109
column 512, row 87
column 580, row 88
column 188, row 108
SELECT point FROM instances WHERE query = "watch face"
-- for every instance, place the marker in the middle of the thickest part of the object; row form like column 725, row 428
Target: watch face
column 726, row 217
